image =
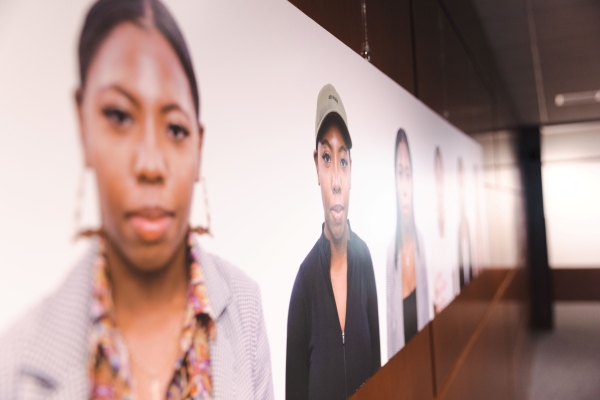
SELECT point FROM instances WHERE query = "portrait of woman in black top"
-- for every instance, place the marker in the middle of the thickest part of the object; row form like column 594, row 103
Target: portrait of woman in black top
column 465, row 257
column 406, row 274
column 333, row 325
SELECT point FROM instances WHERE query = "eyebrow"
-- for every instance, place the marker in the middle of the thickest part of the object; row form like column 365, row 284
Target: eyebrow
column 173, row 107
column 324, row 142
column 165, row 109
column 123, row 91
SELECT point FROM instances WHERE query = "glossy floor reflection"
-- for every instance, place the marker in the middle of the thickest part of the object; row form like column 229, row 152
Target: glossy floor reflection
column 566, row 361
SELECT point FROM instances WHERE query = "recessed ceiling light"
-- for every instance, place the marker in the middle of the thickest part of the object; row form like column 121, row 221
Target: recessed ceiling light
column 577, row 98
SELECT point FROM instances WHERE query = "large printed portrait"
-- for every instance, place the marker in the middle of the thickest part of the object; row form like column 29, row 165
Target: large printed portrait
column 177, row 140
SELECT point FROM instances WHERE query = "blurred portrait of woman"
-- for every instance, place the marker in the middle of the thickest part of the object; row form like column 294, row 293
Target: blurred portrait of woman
column 148, row 313
column 406, row 274
column 465, row 256
column 444, row 287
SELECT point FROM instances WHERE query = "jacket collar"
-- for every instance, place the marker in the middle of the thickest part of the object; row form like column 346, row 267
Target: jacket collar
column 217, row 283
column 325, row 256
column 57, row 351
column 325, row 245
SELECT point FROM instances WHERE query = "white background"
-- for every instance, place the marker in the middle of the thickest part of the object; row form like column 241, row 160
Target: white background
column 571, row 179
column 260, row 66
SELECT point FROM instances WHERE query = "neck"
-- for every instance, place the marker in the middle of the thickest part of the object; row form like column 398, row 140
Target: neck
column 339, row 247
column 136, row 292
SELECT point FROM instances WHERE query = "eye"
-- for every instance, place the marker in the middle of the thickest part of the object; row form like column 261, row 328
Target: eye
column 343, row 162
column 326, row 157
column 178, row 132
column 117, row 116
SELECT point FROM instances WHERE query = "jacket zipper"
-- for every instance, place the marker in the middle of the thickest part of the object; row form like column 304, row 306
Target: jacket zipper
column 345, row 379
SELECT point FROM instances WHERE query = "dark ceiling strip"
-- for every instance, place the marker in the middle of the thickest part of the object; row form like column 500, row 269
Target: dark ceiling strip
column 478, row 68
column 414, row 48
column 537, row 67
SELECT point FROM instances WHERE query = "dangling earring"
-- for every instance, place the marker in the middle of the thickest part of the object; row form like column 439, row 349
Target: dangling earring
column 80, row 230
column 201, row 230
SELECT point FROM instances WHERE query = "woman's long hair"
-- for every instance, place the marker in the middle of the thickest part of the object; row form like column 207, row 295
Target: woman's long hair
column 401, row 138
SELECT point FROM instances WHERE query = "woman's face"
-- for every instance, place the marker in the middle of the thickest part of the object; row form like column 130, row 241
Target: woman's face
column 142, row 138
column 404, row 185
column 332, row 159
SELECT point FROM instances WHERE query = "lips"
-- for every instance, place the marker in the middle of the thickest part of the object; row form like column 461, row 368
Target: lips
column 337, row 212
column 150, row 223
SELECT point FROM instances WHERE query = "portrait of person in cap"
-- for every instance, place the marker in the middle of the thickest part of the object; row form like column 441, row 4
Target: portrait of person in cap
column 408, row 308
column 333, row 325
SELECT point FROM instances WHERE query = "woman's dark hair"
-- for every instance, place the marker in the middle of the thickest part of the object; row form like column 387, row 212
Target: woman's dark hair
column 105, row 15
column 438, row 155
column 330, row 120
column 400, row 138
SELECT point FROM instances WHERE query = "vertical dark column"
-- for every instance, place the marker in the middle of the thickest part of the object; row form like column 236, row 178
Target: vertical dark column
column 529, row 146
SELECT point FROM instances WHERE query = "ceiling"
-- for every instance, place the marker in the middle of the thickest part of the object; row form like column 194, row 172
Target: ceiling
column 542, row 48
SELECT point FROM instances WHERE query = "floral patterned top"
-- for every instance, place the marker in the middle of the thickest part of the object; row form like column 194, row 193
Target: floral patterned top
column 109, row 367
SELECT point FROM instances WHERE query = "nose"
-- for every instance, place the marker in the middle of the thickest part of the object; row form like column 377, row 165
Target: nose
column 149, row 164
column 336, row 185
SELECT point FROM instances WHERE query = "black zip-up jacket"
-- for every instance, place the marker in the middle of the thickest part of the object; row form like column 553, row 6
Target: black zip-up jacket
column 323, row 363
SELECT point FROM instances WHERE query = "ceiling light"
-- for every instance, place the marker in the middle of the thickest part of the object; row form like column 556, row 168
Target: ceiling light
column 577, row 98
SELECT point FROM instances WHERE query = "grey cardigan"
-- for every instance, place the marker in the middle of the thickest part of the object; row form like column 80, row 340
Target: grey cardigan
column 395, row 311
column 45, row 355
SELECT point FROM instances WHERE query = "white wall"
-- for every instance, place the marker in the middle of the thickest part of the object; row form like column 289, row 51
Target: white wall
column 504, row 199
column 571, row 184
column 260, row 66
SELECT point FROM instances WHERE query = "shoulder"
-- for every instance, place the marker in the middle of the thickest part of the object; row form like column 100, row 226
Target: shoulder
column 361, row 249
column 13, row 344
column 244, row 291
column 51, row 337
column 311, row 261
column 307, row 271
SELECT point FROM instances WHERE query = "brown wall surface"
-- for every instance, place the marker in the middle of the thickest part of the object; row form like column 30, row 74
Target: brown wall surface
column 388, row 30
column 408, row 372
column 455, row 325
column 476, row 348
column 419, row 44
column 571, row 284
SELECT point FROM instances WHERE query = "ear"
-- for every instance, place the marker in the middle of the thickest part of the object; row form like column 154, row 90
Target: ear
column 82, row 132
column 200, row 145
column 316, row 158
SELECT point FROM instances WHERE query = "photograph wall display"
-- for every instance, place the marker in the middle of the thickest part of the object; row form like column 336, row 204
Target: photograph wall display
column 356, row 210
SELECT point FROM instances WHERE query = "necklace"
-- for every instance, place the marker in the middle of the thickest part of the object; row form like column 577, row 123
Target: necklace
column 150, row 373
column 156, row 389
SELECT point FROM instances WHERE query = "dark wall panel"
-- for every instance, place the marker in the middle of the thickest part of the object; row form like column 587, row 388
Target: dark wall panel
column 417, row 43
column 476, row 348
column 388, row 29
column 447, row 80
column 407, row 375
column 341, row 18
column 455, row 325
column 576, row 284
column 389, row 32
column 484, row 371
